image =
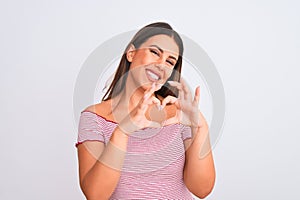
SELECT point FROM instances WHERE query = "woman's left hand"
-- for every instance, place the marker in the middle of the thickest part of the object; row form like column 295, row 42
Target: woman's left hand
column 187, row 105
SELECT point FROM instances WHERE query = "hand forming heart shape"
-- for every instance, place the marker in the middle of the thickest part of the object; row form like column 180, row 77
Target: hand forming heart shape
column 187, row 111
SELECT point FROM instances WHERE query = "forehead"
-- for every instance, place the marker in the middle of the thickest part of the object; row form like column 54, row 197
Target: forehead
column 165, row 42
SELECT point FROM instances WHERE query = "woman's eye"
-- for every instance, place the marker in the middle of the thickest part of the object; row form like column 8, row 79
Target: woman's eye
column 170, row 62
column 154, row 52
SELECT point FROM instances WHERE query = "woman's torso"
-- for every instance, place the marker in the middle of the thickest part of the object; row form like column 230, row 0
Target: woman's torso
column 154, row 161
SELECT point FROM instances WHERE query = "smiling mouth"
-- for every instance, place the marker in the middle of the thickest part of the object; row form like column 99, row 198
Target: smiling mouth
column 152, row 75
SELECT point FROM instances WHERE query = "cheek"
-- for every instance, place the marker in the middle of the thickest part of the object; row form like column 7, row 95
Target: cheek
column 146, row 59
column 168, row 72
column 142, row 58
column 137, row 63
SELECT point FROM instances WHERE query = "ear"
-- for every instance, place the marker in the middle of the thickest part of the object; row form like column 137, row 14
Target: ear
column 130, row 53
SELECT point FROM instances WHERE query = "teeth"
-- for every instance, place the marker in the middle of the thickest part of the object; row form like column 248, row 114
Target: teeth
column 152, row 75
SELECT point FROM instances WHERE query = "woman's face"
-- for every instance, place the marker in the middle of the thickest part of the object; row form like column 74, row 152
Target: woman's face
column 153, row 61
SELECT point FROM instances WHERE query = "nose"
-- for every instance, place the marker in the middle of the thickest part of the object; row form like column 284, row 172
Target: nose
column 160, row 64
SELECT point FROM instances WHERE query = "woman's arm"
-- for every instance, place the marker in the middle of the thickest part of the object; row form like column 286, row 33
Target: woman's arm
column 199, row 171
column 99, row 166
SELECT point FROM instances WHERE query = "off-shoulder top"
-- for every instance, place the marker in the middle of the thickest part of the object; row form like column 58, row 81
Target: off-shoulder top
column 154, row 161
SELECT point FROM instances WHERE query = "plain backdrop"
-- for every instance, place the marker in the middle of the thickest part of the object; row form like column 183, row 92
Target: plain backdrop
column 254, row 45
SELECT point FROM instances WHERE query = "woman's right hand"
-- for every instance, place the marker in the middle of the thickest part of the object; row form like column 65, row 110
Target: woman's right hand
column 136, row 119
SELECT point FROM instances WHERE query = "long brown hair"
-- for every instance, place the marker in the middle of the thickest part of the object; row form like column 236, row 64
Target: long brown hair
column 139, row 38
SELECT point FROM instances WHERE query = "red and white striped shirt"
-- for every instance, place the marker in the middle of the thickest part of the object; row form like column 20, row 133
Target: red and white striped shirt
column 154, row 161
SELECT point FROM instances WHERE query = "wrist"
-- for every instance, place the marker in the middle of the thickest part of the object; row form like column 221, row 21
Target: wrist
column 113, row 156
column 196, row 123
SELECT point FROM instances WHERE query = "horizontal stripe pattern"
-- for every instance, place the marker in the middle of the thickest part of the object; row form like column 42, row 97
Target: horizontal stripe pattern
column 154, row 162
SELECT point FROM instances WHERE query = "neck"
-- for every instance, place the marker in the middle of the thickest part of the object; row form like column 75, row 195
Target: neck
column 130, row 96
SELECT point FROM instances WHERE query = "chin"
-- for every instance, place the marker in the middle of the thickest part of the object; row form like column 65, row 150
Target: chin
column 146, row 86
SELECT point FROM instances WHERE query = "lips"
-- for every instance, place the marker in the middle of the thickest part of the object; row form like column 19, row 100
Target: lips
column 153, row 76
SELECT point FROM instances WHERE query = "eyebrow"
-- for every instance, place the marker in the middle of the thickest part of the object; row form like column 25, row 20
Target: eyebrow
column 162, row 51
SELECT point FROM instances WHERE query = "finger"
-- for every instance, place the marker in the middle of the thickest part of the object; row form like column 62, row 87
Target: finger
column 197, row 95
column 169, row 99
column 181, row 94
column 157, row 86
column 150, row 91
column 179, row 87
column 186, row 90
column 142, row 108
column 175, row 84
column 143, row 104
column 156, row 101
column 146, row 102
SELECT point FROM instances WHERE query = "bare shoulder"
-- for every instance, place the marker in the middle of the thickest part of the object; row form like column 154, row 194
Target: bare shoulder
column 102, row 108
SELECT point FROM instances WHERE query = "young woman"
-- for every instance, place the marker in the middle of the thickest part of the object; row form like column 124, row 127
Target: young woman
column 147, row 139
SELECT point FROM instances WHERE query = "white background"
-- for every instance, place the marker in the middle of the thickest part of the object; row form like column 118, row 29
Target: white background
column 254, row 44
